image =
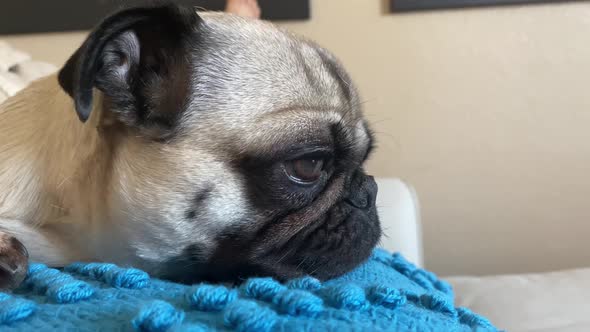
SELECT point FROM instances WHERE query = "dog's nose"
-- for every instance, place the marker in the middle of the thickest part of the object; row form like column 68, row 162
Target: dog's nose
column 363, row 191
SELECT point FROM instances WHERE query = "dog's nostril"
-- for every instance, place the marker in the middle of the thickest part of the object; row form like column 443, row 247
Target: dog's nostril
column 358, row 202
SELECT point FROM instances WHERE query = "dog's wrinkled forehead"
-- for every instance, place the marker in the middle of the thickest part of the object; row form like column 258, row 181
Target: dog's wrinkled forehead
column 255, row 63
column 248, row 72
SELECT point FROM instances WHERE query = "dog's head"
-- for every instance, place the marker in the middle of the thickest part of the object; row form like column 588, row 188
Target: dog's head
column 236, row 148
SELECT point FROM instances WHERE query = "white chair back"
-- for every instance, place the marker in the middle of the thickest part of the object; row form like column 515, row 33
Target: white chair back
column 398, row 207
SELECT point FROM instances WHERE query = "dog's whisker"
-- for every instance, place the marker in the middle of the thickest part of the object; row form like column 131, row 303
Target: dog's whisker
column 58, row 207
column 284, row 256
column 315, row 270
column 63, row 182
column 301, row 263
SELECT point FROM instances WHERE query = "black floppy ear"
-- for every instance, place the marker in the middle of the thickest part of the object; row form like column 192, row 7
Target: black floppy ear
column 131, row 57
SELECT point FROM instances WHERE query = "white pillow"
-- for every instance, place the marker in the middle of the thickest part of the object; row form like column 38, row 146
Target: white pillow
column 17, row 70
column 544, row 302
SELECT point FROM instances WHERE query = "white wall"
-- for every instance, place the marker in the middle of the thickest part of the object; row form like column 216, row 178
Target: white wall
column 486, row 112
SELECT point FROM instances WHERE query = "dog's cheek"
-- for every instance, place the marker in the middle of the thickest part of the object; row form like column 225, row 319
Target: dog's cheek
column 219, row 207
column 174, row 198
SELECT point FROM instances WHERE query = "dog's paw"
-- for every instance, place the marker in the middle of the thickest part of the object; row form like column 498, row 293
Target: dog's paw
column 14, row 262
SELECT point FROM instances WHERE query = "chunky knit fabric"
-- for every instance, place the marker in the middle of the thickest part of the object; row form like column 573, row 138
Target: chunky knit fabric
column 387, row 293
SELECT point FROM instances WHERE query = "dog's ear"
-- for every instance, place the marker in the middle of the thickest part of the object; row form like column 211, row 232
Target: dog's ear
column 137, row 58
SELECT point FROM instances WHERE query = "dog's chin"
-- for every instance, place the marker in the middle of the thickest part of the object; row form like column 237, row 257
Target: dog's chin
column 336, row 244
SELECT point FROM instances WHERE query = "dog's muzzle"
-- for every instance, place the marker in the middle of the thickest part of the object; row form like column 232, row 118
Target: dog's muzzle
column 346, row 236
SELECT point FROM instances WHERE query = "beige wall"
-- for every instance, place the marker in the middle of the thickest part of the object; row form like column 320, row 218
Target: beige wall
column 486, row 112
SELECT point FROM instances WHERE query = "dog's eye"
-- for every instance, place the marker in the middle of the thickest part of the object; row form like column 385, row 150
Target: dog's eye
column 305, row 171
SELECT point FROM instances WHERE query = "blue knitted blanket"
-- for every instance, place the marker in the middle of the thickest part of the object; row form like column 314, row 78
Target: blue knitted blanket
column 387, row 293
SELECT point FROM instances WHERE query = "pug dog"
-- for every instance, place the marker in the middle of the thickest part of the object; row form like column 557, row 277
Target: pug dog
column 194, row 146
